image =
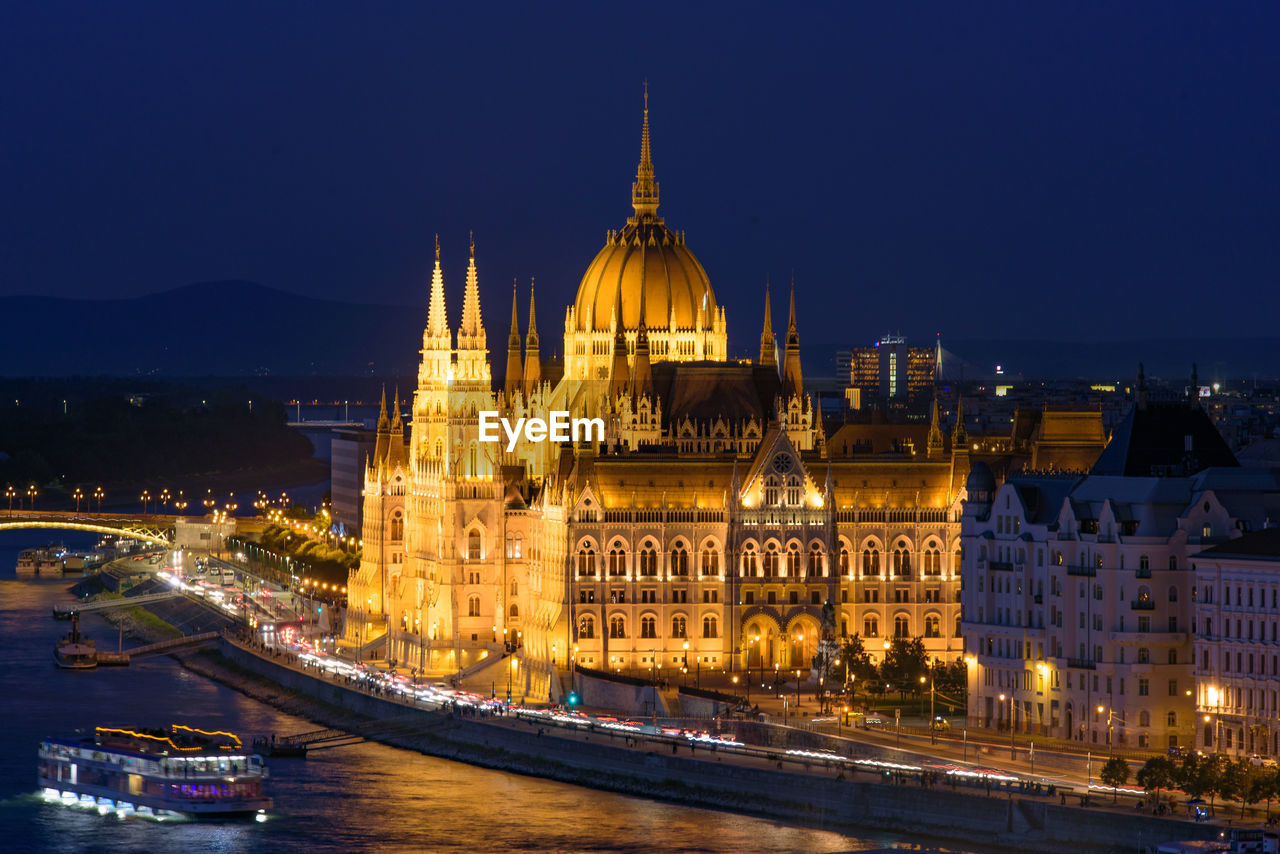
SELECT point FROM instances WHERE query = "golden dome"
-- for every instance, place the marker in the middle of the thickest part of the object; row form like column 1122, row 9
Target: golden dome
column 645, row 264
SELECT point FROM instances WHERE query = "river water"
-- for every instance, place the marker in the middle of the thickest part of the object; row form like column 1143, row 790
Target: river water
column 363, row 798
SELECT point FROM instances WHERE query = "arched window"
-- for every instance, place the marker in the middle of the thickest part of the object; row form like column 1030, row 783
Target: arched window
column 710, row 561
column 473, row 606
column 902, row 626
column 586, row 627
column 617, row 561
column 397, row 527
column 793, row 560
column 1144, row 718
column 1144, row 594
column 709, row 627
column 648, row 627
column 932, row 561
column 901, row 560
column 439, row 447
column 1173, row 594
column 870, row 627
column 845, row 569
column 678, row 627
column 515, row 610
column 770, row 492
column 679, row 560
column 511, row 546
column 816, row 566
column 518, row 551
column 750, row 568
column 648, row 560
column 473, row 545
column 955, row 562
column 870, row 561
column 771, row 561
column 1144, row 562
column 617, row 627
column 932, row 626
column 586, row 560
column 515, row 587
column 793, row 491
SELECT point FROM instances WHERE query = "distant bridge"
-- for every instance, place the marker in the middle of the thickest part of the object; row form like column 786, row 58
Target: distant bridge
column 149, row 528
column 108, row 604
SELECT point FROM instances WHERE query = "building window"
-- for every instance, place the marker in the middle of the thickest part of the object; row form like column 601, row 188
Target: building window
column 586, row 561
column 932, row 626
column 793, row 560
column 473, row 545
column 932, row 561
column 617, row 627
column 648, row 560
column 648, row 627
column 844, row 561
column 518, row 551
column 617, row 561
column 771, row 561
column 397, row 527
column 749, row 567
column 710, row 561
column 679, row 560
column 586, row 628
column 515, row 611
column 677, row 627
column 1144, row 687
column 870, row 627
column 770, row 492
column 815, row 560
column 901, row 561
column 901, row 627
column 793, row 491
column 473, row 606
column 709, row 628
column 870, row 561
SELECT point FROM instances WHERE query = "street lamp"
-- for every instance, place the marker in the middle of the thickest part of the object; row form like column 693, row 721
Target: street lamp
column 99, row 494
column 684, row 667
column 78, row 495
column 9, row 493
column 933, row 737
column 32, row 492
column 1013, row 750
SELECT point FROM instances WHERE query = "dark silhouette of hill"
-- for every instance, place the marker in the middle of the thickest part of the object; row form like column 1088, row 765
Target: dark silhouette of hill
column 230, row 328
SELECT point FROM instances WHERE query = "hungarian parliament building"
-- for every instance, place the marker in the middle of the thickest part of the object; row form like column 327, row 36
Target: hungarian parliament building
column 710, row 525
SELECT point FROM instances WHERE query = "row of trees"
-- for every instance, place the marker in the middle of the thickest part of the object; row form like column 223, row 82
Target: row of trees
column 1201, row 776
column 324, row 561
column 905, row 668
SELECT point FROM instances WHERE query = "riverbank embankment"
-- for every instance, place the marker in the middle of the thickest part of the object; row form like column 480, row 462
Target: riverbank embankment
column 819, row 797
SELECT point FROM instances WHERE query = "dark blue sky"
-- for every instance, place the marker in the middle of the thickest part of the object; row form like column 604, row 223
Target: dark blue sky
column 1021, row 170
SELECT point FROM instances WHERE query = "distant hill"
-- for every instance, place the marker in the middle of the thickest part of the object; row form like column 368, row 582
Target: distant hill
column 237, row 328
column 230, row 328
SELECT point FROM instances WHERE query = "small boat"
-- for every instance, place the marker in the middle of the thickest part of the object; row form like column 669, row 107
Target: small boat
column 74, row 652
column 178, row 772
column 46, row 561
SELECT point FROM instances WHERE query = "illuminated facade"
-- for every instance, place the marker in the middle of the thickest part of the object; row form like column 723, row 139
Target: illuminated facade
column 708, row 529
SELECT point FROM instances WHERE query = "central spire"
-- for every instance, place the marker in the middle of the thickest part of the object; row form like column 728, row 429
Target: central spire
column 644, row 192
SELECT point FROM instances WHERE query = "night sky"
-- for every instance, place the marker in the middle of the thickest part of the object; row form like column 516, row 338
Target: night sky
column 1018, row 170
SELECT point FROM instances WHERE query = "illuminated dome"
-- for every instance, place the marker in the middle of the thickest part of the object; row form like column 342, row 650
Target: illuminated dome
column 645, row 267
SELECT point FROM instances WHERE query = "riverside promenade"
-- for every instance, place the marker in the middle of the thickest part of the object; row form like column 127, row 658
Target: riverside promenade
column 805, row 789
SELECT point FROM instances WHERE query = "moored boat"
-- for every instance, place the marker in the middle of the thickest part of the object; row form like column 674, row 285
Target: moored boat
column 179, row 772
column 73, row 651
column 45, row 561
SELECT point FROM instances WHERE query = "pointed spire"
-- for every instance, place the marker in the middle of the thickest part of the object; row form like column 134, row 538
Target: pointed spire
column 382, row 412
column 959, row 438
column 532, row 356
column 618, row 375
column 396, row 452
column 936, row 444
column 384, row 432
column 644, row 192
column 792, row 380
column 768, row 345
column 471, row 332
column 514, row 379
column 437, row 315
column 641, row 376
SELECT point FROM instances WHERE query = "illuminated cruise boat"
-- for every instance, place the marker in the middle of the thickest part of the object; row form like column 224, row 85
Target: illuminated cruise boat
column 180, row 772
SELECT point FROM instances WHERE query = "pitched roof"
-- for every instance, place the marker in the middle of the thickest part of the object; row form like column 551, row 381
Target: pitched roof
column 1165, row 439
column 1264, row 545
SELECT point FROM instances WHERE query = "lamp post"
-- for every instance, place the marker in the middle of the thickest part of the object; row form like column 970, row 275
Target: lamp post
column 32, row 492
column 933, row 737
column 9, row 493
column 144, row 498
column 684, row 666
column 1013, row 751
column 78, row 495
column 99, row 495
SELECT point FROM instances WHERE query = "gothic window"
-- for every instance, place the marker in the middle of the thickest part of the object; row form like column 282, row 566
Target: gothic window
column 709, row 628
column 901, row 626
column 770, row 492
column 901, row 560
column 932, row 626
column 648, row 560
column 710, row 561
column 749, row 567
column 870, row 561
column 617, row 627
column 816, row 565
column 793, row 560
column 515, row 587
column 679, row 560
column 677, row 627
column 870, row 627
column 517, row 551
column 771, row 561
column 844, row 561
column 511, row 546
column 397, row 527
column 586, row 627
column 515, row 610
column 586, row 561
column 473, row 545
column 932, row 561
column 793, row 491
column 617, row 560
column 1173, row 594
column 473, row 606
column 648, row 627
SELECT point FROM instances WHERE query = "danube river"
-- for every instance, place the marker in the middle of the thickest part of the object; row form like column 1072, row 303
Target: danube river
column 362, row 798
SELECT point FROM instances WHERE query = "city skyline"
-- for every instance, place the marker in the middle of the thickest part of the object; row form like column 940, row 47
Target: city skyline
column 1054, row 164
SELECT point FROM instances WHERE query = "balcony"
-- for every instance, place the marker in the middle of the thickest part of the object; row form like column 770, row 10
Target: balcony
column 1142, row 604
column 1087, row 571
column 1143, row 573
column 1001, row 566
column 1082, row 663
